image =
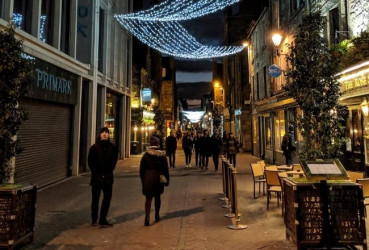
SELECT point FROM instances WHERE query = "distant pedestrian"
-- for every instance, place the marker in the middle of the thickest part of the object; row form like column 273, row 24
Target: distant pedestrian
column 102, row 158
column 197, row 144
column 187, row 145
column 288, row 145
column 171, row 147
column 217, row 143
column 232, row 149
column 153, row 166
column 205, row 149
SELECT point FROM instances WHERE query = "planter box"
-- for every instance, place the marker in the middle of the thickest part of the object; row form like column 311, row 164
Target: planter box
column 304, row 214
column 17, row 214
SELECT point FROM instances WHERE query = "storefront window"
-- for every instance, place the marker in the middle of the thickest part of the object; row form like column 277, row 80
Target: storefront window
column 268, row 133
column 110, row 115
column 279, row 122
column 357, row 132
column 22, row 16
column 46, row 22
column 254, row 130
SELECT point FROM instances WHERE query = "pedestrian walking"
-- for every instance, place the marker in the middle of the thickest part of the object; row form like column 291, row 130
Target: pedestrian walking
column 217, row 144
column 197, row 145
column 289, row 145
column 205, row 149
column 171, row 147
column 187, row 145
column 102, row 158
column 232, row 149
column 154, row 176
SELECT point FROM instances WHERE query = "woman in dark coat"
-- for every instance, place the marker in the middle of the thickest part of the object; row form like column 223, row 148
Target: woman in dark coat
column 153, row 164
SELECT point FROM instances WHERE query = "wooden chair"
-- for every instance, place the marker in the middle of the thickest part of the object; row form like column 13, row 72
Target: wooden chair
column 353, row 175
column 365, row 183
column 273, row 185
column 258, row 176
column 271, row 167
column 262, row 164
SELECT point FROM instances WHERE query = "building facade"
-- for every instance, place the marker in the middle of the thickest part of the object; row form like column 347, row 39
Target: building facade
column 272, row 110
column 82, row 64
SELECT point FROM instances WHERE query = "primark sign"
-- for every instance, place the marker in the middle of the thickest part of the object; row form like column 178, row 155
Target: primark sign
column 52, row 83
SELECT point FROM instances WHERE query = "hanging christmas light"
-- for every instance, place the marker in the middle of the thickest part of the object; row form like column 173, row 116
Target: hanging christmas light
column 176, row 10
column 172, row 39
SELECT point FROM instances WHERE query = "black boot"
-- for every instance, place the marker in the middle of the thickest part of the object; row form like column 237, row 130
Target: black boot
column 157, row 217
column 147, row 220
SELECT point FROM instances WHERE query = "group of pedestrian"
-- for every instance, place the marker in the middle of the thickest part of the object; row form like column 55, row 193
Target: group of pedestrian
column 154, row 169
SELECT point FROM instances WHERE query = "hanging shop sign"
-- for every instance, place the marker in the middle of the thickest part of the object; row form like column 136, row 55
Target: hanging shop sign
column 355, row 77
column 274, row 70
column 146, row 95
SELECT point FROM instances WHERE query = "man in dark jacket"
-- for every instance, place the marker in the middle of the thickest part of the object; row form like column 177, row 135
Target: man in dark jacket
column 102, row 158
column 171, row 146
column 217, row 144
column 289, row 145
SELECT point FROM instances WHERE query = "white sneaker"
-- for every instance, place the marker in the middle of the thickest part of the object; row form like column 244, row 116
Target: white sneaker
column 189, row 165
column 186, row 166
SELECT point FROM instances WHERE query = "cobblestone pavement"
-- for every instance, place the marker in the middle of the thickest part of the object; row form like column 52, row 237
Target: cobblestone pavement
column 192, row 215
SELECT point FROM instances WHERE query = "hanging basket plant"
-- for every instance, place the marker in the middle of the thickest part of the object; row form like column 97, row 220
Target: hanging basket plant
column 15, row 75
column 311, row 82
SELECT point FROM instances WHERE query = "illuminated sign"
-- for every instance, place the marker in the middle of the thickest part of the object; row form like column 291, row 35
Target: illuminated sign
column 354, row 77
column 146, row 95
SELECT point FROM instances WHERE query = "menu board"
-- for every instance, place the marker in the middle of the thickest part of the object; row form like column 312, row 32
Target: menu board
column 331, row 169
column 326, row 168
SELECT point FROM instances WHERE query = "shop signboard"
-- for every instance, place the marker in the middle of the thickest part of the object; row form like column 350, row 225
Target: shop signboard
column 146, row 95
column 274, row 70
column 52, row 83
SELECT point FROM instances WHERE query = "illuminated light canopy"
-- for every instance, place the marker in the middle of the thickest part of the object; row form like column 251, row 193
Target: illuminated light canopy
column 193, row 116
column 159, row 29
column 176, row 10
column 172, row 39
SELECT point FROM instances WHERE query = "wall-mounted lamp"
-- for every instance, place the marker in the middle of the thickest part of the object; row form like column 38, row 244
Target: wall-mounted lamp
column 365, row 107
column 245, row 44
column 277, row 39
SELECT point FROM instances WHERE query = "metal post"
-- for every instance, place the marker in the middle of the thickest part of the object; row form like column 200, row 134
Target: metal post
column 237, row 225
column 228, row 187
column 231, row 212
column 224, row 181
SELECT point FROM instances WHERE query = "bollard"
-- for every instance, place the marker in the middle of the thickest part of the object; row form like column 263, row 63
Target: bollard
column 231, row 199
column 236, row 225
column 227, row 187
column 224, row 181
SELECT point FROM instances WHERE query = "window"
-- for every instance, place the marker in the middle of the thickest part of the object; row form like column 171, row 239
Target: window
column 65, row 27
column 265, row 82
column 268, row 133
column 334, row 26
column 101, row 39
column 2, row 9
column 22, row 14
column 295, row 6
column 257, row 87
column 279, row 122
column 46, row 22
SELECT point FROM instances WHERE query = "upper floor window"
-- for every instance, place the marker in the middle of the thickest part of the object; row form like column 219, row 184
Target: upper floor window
column 22, row 14
column 296, row 5
column 2, row 9
column 46, row 22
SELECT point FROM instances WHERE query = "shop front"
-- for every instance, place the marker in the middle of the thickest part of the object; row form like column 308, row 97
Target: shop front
column 45, row 137
column 355, row 95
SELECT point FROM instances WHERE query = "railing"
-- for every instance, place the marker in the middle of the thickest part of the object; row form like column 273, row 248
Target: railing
column 230, row 194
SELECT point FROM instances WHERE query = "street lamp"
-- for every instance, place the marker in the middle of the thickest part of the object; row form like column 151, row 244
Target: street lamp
column 135, row 128
column 365, row 107
column 277, row 39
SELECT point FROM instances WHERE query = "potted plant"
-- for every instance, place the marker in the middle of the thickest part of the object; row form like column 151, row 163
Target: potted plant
column 17, row 209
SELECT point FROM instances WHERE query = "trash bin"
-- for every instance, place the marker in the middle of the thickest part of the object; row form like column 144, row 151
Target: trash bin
column 135, row 147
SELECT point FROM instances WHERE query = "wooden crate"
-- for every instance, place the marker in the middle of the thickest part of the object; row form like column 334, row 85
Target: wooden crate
column 17, row 214
column 304, row 214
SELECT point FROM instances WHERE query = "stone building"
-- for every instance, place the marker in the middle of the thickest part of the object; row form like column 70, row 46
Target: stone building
column 82, row 59
column 272, row 111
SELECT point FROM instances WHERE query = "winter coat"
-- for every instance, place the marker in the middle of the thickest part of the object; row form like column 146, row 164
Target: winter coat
column 217, row 144
column 171, row 144
column 232, row 146
column 153, row 164
column 187, row 143
column 102, row 158
column 206, row 146
column 197, row 142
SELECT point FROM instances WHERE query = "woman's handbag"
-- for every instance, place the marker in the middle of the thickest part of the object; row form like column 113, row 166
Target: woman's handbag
column 163, row 179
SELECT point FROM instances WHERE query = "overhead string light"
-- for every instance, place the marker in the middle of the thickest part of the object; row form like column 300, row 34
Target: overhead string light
column 158, row 28
column 172, row 39
column 177, row 10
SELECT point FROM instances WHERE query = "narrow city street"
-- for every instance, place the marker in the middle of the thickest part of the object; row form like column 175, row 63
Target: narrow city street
column 192, row 215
